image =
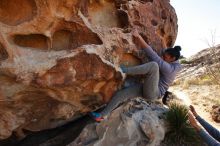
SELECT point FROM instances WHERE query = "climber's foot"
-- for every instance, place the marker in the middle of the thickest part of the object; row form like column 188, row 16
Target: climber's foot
column 96, row 116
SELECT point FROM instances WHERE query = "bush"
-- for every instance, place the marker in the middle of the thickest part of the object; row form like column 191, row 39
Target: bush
column 180, row 131
column 184, row 61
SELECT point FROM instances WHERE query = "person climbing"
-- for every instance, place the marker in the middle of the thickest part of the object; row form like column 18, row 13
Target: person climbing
column 160, row 73
column 212, row 138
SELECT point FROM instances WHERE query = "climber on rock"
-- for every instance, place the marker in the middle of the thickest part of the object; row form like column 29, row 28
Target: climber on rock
column 159, row 74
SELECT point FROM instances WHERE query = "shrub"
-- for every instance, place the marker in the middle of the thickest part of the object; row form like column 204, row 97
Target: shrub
column 184, row 61
column 180, row 131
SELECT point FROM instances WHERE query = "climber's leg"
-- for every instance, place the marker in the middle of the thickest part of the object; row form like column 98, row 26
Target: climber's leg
column 121, row 96
column 141, row 69
column 151, row 70
column 151, row 81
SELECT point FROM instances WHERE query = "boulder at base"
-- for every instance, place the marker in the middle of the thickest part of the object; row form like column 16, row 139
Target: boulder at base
column 134, row 123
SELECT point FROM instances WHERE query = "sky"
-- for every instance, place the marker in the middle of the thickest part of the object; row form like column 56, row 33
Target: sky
column 198, row 23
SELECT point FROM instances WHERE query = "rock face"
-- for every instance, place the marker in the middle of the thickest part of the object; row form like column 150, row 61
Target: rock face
column 135, row 123
column 59, row 58
column 216, row 113
column 200, row 64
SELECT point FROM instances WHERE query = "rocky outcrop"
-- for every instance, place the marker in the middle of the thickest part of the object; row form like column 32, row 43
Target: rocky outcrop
column 135, row 123
column 203, row 63
column 59, row 58
column 199, row 81
column 216, row 113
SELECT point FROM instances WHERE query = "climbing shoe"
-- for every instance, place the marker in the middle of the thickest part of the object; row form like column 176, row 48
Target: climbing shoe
column 96, row 116
column 166, row 97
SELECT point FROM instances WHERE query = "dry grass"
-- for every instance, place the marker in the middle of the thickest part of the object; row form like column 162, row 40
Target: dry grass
column 203, row 97
column 202, row 80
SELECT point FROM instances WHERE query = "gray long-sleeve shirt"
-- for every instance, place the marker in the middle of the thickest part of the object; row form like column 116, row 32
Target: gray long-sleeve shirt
column 168, row 71
column 212, row 138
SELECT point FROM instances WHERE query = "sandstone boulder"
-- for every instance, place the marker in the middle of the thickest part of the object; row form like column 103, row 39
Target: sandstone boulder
column 59, row 59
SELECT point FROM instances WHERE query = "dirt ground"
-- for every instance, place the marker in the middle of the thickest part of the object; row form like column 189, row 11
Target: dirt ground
column 202, row 97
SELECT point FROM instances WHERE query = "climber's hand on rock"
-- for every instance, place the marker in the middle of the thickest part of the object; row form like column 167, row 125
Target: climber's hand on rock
column 136, row 40
column 135, row 33
column 136, row 37
column 139, row 41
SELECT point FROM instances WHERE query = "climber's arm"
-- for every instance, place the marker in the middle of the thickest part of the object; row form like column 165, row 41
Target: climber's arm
column 139, row 40
column 151, row 54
